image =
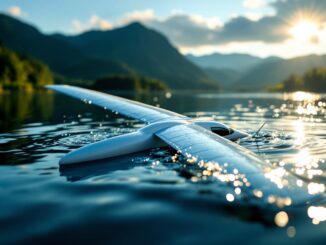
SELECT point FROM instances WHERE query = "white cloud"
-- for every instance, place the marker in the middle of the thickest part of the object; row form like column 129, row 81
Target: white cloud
column 138, row 15
column 253, row 4
column 15, row 11
column 97, row 22
column 285, row 49
column 94, row 22
column 210, row 23
column 254, row 16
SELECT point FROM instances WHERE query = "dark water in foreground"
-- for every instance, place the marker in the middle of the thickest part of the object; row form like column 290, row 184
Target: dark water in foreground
column 147, row 198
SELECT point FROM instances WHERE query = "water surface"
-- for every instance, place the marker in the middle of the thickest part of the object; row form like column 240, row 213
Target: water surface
column 150, row 197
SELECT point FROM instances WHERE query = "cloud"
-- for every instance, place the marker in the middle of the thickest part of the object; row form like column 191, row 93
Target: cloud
column 254, row 16
column 267, row 29
column 15, row 11
column 287, row 49
column 210, row 23
column 253, row 4
column 94, row 22
column 138, row 15
column 187, row 29
column 97, row 22
column 294, row 9
column 195, row 30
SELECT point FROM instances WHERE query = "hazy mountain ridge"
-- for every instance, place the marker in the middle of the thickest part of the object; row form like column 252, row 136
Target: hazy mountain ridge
column 229, row 68
column 267, row 74
column 235, row 61
column 134, row 48
column 225, row 77
column 263, row 74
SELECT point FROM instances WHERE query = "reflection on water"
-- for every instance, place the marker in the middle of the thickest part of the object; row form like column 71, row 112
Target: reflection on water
column 17, row 107
column 156, row 192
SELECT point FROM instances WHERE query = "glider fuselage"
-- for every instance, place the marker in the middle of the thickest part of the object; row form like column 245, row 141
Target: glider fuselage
column 143, row 139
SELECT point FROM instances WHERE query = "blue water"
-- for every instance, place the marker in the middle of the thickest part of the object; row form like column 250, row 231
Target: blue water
column 148, row 198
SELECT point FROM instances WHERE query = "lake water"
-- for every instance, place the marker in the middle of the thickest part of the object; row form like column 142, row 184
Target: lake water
column 147, row 198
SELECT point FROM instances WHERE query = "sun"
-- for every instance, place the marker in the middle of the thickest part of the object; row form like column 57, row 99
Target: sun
column 304, row 30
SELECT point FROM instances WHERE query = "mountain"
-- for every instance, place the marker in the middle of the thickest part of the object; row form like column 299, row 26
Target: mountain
column 133, row 47
column 93, row 68
column 225, row 77
column 229, row 68
column 27, row 39
column 144, row 50
column 239, row 62
column 268, row 74
column 128, row 82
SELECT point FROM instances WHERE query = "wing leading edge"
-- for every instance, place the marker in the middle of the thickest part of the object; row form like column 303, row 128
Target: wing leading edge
column 133, row 109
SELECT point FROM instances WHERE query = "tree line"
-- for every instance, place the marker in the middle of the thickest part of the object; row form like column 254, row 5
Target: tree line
column 313, row 80
column 21, row 72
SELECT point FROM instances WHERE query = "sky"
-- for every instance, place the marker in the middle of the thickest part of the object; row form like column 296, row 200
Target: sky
column 285, row 28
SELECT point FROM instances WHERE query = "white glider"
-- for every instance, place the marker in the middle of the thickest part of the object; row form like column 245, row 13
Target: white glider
column 207, row 143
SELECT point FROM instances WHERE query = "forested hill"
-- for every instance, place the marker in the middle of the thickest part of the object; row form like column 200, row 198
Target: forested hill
column 20, row 72
column 313, row 80
column 268, row 74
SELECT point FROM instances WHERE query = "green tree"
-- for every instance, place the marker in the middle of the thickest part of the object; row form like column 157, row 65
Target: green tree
column 20, row 72
column 313, row 80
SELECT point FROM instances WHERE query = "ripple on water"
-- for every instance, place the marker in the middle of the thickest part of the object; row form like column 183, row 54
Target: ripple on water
column 78, row 139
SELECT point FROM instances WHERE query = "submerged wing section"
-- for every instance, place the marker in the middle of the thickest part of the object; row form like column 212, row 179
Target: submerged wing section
column 133, row 109
column 226, row 160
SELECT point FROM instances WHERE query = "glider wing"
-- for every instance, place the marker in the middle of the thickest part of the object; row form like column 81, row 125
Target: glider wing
column 231, row 162
column 133, row 109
